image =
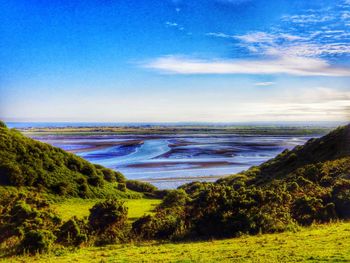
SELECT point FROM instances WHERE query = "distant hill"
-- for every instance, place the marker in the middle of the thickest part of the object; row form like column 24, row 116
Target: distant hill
column 333, row 146
column 25, row 162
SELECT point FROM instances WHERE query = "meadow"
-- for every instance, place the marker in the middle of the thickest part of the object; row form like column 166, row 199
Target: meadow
column 318, row 243
column 80, row 207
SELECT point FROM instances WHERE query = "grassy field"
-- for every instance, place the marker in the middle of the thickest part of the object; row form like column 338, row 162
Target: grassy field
column 80, row 207
column 322, row 243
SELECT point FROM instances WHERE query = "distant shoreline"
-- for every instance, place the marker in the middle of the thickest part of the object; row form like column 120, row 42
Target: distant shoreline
column 179, row 130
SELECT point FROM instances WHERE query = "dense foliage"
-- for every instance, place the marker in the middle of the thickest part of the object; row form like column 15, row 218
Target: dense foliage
column 29, row 163
column 309, row 184
column 29, row 225
column 108, row 220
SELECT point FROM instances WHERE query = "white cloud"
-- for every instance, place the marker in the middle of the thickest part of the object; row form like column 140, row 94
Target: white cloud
column 317, row 43
column 264, row 83
column 219, row 34
column 307, row 49
column 308, row 18
column 171, row 24
column 345, row 15
column 235, row 2
column 282, row 65
column 320, row 95
column 174, row 25
column 256, row 37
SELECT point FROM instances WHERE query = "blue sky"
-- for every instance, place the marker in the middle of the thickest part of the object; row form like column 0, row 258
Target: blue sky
column 175, row 60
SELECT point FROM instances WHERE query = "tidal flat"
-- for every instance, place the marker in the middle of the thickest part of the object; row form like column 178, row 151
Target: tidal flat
column 170, row 156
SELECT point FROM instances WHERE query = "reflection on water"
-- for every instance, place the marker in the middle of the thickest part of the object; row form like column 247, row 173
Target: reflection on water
column 171, row 160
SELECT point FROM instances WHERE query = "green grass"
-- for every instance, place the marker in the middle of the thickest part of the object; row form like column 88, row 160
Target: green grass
column 80, row 207
column 322, row 243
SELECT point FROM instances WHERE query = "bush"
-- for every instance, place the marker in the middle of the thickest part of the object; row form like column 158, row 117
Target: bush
column 22, row 213
column 174, row 198
column 122, row 187
column 88, row 169
column 119, row 177
column 108, row 220
column 2, row 124
column 95, row 181
column 61, row 188
column 108, row 175
column 307, row 210
column 341, row 198
column 140, row 186
column 36, row 241
column 11, row 174
column 165, row 224
column 73, row 232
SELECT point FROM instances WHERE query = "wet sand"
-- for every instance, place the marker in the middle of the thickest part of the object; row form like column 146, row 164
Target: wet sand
column 191, row 165
column 104, row 145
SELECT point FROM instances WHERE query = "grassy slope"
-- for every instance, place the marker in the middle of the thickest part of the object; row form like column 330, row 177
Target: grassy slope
column 334, row 145
column 29, row 163
column 80, row 207
column 326, row 243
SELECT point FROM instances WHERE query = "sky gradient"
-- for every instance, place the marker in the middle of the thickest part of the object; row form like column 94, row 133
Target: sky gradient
column 175, row 60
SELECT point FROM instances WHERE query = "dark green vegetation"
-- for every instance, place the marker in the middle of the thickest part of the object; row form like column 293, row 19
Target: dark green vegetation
column 309, row 184
column 27, row 163
column 29, row 225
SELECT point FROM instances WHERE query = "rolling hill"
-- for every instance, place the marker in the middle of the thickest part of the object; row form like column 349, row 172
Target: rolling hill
column 31, row 164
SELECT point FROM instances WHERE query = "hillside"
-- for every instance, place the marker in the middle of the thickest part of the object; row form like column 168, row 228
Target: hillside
column 309, row 184
column 27, row 163
column 332, row 146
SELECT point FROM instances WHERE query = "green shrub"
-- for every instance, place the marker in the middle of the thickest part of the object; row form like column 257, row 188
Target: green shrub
column 165, row 224
column 174, row 198
column 122, row 187
column 2, row 124
column 23, row 213
column 119, row 177
column 95, row 181
column 108, row 221
column 11, row 174
column 73, row 232
column 341, row 198
column 109, row 175
column 36, row 241
column 139, row 186
column 61, row 188
column 88, row 169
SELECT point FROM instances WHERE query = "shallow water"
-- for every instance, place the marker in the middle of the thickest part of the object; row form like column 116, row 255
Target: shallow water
column 171, row 160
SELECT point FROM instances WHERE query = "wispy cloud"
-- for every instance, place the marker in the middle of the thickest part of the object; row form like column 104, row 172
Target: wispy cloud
column 171, row 24
column 219, row 34
column 264, row 83
column 261, row 37
column 309, row 18
column 174, row 25
column 235, row 2
column 282, row 65
column 302, row 44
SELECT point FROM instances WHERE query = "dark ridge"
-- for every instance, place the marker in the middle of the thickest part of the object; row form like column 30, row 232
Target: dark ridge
column 334, row 145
